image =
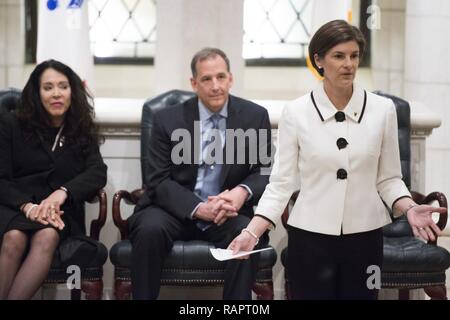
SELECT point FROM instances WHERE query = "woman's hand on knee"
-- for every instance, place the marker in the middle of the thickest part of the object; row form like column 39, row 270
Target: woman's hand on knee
column 48, row 213
column 56, row 221
column 57, row 198
column 40, row 213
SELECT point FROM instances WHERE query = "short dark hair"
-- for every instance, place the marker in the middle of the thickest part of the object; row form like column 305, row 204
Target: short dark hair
column 79, row 126
column 331, row 34
column 207, row 53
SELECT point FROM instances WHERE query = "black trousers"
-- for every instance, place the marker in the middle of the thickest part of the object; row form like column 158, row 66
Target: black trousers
column 152, row 234
column 327, row 267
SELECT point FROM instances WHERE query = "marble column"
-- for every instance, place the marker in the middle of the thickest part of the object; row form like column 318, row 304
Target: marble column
column 388, row 45
column 3, row 43
column 12, row 42
column 185, row 27
column 427, row 80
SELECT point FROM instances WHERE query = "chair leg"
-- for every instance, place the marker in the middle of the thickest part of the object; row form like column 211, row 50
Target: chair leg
column 287, row 290
column 92, row 289
column 75, row 294
column 436, row 292
column 263, row 290
column 122, row 289
column 403, row 294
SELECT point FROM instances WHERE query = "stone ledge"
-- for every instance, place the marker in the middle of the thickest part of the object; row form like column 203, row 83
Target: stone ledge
column 123, row 116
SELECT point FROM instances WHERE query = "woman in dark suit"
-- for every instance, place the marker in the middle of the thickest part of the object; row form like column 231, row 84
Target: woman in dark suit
column 50, row 165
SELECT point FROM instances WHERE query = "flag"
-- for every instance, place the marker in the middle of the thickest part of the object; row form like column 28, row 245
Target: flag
column 324, row 11
column 63, row 34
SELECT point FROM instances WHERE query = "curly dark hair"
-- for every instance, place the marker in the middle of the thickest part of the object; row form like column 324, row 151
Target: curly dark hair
column 79, row 126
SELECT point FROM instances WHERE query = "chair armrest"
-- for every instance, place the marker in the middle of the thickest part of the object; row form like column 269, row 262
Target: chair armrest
column 442, row 201
column 285, row 215
column 131, row 198
column 97, row 224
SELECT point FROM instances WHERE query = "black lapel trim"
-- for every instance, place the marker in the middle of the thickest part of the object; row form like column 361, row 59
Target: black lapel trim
column 364, row 107
column 315, row 106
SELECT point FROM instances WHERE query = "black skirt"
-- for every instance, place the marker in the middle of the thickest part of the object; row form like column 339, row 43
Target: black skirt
column 72, row 249
column 15, row 220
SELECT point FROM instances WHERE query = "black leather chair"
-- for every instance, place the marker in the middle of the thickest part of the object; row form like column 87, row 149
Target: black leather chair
column 91, row 269
column 408, row 263
column 190, row 263
column 8, row 99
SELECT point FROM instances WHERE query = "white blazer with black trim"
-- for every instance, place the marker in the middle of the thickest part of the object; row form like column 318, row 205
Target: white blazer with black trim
column 345, row 161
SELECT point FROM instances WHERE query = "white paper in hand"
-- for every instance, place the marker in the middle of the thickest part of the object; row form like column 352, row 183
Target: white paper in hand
column 227, row 254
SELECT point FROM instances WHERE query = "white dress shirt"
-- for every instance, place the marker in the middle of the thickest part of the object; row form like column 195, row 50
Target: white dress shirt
column 368, row 166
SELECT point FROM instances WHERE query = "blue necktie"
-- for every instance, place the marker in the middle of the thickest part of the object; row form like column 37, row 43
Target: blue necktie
column 211, row 169
column 211, row 140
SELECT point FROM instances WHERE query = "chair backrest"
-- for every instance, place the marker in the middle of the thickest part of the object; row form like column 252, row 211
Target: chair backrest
column 400, row 227
column 9, row 99
column 148, row 110
column 404, row 134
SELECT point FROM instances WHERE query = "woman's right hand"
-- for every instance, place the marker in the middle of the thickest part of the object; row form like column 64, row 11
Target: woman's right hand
column 249, row 237
column 45, row 213
column 243, row 242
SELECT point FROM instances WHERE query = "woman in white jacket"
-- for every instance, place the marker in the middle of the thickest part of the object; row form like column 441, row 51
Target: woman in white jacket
column 342, row 142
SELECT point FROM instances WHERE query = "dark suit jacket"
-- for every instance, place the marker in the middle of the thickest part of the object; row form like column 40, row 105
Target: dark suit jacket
column 30, row 172
column 170, row 186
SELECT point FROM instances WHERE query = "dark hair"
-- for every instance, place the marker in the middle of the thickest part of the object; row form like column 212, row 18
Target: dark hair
column 331, row 34
column 207, row 53
column 79, row 126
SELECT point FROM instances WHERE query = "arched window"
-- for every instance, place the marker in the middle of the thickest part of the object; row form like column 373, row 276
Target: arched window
column 276, row 32
column 121, row 31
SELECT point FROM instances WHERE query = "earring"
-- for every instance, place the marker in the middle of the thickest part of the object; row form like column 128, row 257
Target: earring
column 321, row 71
